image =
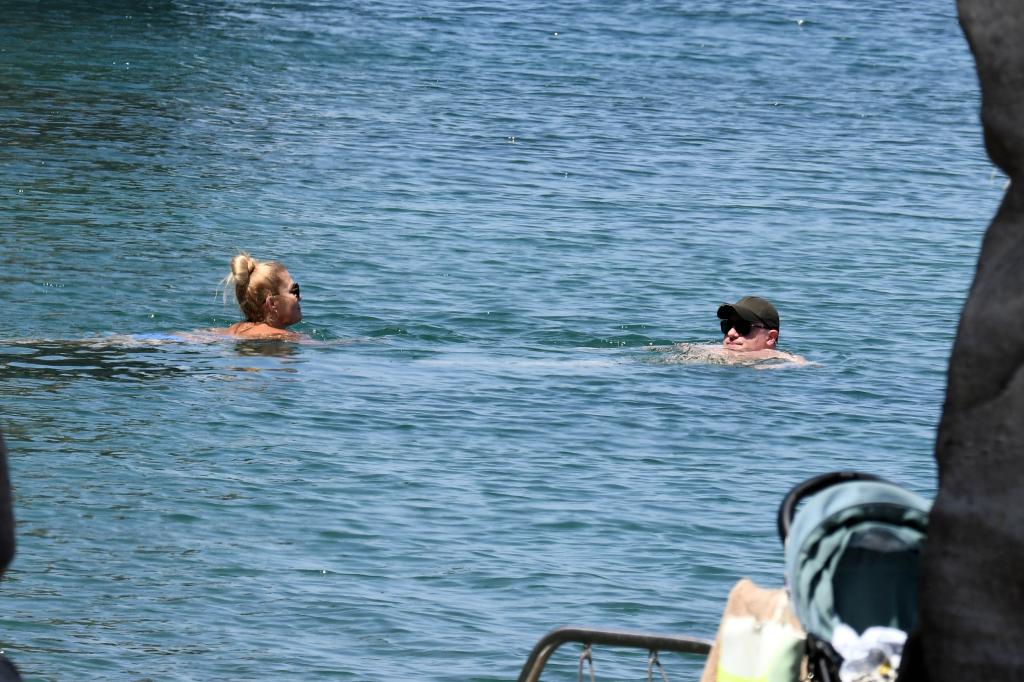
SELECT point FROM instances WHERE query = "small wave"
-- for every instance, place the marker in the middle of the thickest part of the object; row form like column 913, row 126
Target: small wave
column 694, row 354
column 477, row 361
column 104, row 359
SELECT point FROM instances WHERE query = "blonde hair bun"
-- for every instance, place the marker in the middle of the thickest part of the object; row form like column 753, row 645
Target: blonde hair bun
column 242, row 267
column 254, row 283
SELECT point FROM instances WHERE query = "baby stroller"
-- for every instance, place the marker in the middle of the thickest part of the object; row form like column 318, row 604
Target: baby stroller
column 852, row 555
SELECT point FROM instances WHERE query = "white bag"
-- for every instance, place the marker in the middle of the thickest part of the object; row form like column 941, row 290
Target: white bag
column 759, row 638
column 759, row 651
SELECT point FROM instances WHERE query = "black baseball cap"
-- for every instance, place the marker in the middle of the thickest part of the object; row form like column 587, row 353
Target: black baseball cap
column 751, row 309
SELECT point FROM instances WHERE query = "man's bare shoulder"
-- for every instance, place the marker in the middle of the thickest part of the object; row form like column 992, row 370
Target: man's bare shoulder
column 778, row 358
column 692, row 353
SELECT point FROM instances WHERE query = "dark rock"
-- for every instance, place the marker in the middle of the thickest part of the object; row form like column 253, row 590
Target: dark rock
column 972, row 587
column 6, row 512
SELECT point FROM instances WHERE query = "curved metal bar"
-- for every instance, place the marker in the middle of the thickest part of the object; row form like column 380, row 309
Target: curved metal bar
column 809, row 487
column 549, row 643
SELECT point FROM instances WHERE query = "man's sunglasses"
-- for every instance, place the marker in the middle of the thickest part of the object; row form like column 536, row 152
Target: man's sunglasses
column 742, row 327
column 294, row 290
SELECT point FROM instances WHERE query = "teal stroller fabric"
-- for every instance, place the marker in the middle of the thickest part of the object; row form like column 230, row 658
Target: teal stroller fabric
column 853, row 556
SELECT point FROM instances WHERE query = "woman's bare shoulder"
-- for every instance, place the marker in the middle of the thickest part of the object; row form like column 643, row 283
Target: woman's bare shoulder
column 257, row 330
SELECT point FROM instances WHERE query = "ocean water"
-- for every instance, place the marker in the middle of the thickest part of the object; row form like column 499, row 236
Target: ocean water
column 498, row 213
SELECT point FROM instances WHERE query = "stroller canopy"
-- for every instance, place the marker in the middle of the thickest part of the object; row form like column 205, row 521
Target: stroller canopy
column 853, row 555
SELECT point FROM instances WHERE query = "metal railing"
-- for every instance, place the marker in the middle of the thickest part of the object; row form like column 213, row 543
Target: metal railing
column 547, row 645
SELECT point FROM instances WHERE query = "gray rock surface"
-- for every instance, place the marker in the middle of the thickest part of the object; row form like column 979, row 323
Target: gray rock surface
column 972, row 583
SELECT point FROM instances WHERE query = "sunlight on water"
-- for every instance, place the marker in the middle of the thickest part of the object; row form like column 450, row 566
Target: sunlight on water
column 513, row 226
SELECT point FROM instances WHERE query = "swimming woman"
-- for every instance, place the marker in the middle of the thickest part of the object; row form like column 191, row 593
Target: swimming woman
column 268, row 296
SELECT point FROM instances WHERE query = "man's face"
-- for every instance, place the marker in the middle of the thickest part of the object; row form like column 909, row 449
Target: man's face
column 757, row 338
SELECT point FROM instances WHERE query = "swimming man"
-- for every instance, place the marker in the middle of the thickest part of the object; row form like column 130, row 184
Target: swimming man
column 751, row 325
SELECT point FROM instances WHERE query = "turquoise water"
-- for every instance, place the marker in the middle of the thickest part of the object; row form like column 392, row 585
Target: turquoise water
column 495, row 212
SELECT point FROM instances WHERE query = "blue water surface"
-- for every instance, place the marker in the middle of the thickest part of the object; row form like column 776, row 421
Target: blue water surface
column 497, row 212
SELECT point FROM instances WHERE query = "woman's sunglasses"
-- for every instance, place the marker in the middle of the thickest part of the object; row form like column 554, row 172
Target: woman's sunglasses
column 742, row 327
